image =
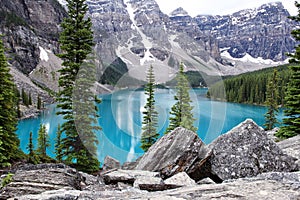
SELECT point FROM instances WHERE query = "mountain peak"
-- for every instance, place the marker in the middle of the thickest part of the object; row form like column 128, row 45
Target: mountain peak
column 179, row 12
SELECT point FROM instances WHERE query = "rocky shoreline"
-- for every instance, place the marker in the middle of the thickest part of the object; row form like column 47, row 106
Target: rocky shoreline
column 241, row 164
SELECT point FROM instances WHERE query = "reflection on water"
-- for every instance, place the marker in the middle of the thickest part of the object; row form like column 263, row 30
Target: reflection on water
column 121, row 119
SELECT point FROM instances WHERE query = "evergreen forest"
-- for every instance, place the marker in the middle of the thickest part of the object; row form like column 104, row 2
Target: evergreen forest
column 251, row 87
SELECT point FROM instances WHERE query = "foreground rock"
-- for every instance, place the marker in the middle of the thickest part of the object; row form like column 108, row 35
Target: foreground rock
column 126, row 176
column 179, row 180
column 36, row 179
column 271, row 186
column 245, row 151
column 291, row 147
column 110, row 163
column 173, row 153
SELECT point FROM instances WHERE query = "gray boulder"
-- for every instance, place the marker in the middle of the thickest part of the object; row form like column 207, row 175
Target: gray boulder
column 246, row 151
column 111, row 163
column 175, row 152
column 291, row 147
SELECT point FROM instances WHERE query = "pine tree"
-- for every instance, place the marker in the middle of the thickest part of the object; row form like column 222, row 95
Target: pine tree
column 86, row 116
column 43, row 141
column 292, row 105
column 149, row 134
column 30, row 146
column 32, row 157
column 181, row 112
column 76, row 39
column 58, row 150
column 25, row 98
column 39, row 102
column 29, row 99
column 9, row 148
column 272, row 99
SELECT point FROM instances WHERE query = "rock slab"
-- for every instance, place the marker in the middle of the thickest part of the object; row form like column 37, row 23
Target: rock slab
column 41, row 178
column 174, row 152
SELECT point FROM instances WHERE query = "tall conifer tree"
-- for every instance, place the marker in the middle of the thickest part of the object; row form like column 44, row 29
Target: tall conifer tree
column 85, row 113
column 9, row 147
column 292, row 122
column 76, row 42
column 149, row 134
column 181, row 112
column 43, row 141
column 30, row 146
column 271, row 102
column 58, row 150
column 32, row 157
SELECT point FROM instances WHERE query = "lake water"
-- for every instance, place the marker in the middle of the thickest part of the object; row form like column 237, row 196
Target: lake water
column 121, row 119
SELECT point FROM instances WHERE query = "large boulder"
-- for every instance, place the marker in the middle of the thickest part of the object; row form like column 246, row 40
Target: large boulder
column 174, row 152
column 246, row 151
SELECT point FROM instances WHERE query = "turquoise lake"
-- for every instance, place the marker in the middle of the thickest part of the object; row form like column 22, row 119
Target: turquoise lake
column 121, row 119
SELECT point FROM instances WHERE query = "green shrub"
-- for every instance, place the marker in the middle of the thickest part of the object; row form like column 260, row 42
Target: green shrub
column 6, row 180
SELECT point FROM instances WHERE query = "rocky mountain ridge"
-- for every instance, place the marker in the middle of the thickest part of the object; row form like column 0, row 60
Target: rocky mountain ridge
column 263, row 32
column 131, row 35
column 139, row 33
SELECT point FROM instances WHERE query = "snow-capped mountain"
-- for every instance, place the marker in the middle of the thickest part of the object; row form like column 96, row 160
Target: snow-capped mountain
column 135, row 33
column 262, row 33
column 140, row 34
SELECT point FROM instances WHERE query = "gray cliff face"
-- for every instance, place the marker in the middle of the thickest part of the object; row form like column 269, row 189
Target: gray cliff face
column 27, row 25
column 182, row 22
column 30, row 32
column 139, row 33
column 262, row 32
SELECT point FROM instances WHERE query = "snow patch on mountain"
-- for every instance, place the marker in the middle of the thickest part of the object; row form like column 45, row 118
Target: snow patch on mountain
column 248, row 58
column 62, row 2
column 147, row 43
column 43, row 54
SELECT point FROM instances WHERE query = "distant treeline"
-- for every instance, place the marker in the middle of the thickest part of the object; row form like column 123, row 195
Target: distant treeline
column 250, row 87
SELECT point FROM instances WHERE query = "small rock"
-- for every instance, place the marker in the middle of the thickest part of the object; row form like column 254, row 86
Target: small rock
column 205, row 181
column 129, row 165
column 179, row 180
column 110, row 163
column 149, row 183
column 126, row 176
column 123, row 186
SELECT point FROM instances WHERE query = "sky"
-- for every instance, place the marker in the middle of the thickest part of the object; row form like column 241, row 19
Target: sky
column 218, row 7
